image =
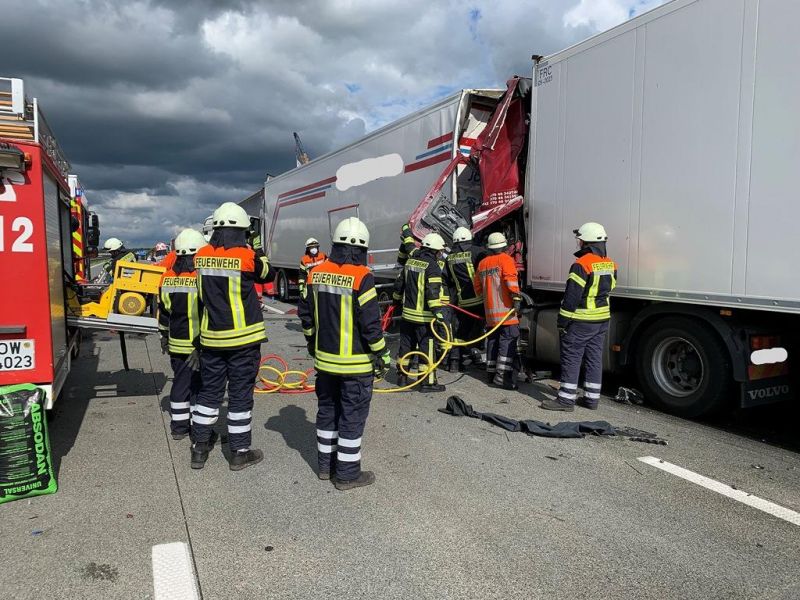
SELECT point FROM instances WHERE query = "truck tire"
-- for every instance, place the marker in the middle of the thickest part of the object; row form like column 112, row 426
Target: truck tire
column 282, row 285
column 683, row 366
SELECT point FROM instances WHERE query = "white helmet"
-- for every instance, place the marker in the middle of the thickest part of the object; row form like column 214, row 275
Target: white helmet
column 311, row 242
column 189, row 241
column 591, row 232
column 113, row 244
column 352, row 232
column 496, row 241
column 462, row 234
column 231, row 214
column 433, row 241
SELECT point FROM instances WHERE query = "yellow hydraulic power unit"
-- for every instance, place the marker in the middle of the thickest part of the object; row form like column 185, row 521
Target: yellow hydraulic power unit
column 130, row 293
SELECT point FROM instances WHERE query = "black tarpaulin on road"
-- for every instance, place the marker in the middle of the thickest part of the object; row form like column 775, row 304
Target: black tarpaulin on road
column 568, row 429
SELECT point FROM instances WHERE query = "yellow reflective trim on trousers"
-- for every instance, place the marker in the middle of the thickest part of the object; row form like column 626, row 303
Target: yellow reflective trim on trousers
column 432, row 360
column 577, row 279
column 367, row 296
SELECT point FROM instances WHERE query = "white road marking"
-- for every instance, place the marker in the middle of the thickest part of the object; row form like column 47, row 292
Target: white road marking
column 173, row 573
column 776, row 510
column 272, row 309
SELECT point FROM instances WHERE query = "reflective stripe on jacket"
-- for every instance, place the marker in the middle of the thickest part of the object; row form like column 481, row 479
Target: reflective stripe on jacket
column 341, row 317
column 419, row 286
column 496, row 280
column 461, row 265
column 178, row 311
column 586, row 297
column 231, row 315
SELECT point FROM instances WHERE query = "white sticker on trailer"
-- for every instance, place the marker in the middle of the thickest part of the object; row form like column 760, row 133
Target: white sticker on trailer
column 17, row 355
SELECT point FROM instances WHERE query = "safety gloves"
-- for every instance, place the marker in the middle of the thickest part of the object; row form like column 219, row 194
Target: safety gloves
column 381, row 363
column 193, row 360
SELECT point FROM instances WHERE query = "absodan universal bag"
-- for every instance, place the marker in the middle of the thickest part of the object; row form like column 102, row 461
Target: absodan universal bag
column 26, row 468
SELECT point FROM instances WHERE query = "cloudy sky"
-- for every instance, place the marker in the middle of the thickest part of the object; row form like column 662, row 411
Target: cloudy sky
column 166, row 108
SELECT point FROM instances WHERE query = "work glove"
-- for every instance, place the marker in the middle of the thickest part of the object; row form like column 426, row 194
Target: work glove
column 164, row 344
column 563, row 326
column 193, row 360
column 381, row 364
column 439, row 316
column 518, row 307
column 255, row 242
column 310, row 346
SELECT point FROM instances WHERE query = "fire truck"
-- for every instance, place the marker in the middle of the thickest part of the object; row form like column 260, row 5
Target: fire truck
column 46, row 237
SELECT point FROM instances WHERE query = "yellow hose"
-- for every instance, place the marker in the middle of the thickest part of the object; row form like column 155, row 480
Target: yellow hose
column 446, row 342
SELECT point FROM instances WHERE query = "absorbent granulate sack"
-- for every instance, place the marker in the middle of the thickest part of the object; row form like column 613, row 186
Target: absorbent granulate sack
column 26, row 468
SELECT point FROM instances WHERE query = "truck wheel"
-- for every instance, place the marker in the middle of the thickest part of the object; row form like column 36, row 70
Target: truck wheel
column 282, row 284
column 684, row 367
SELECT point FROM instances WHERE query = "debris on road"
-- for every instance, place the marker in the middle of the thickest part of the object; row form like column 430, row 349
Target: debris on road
column 629, row 396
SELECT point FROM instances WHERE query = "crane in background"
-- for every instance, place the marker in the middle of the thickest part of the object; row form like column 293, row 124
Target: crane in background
column 299, row 151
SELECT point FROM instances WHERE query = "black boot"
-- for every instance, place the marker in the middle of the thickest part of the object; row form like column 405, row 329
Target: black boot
column 366, row 478
column 490, row 377
column 241, row 460
column 431, row 388
column 506, row 380
column 200, row 451
column 549, row 404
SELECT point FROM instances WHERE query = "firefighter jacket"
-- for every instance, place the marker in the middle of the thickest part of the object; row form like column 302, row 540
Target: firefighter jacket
column 461, row 268
column 407, row 245
column 591, row 278
column 419, row 286
column 125, row 255
column 231, row 312
column 308, row 262
column 178, row 310
column 340, row 315
column 496, row 280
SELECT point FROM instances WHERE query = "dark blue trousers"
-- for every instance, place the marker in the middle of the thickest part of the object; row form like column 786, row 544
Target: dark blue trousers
column 343, row 406
column 183, row 395
column 502, row 357
column 582, row 343
column 237, row 369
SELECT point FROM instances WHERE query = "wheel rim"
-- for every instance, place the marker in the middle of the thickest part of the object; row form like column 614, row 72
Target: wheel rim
column 677, row 366
column 282, row 286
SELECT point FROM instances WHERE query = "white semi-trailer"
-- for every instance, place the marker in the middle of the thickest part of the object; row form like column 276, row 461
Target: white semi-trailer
column 680, row 132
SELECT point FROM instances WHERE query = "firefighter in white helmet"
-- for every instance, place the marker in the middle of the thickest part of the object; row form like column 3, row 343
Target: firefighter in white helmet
column 118, row 252
column 496, row 280
column 418, row 290
column 179, row 325
column 313, row 257
column 231, row 333
column 462, row 263
column 341, row 321
column 583, row 319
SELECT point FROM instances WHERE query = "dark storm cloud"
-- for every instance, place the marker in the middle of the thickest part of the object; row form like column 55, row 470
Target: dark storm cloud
column 168, row 107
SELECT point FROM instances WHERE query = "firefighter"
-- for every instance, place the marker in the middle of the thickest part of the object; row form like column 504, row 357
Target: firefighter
column 496, row 280
column 118, row 252
column 583, row 319
column 407, row 244
column 341, row 321
column 179, row 325
column 462, row 264
column 418, row 290
column 231, row 333
column 312, row 258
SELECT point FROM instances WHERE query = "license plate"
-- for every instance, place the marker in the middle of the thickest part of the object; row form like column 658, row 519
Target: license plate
column 16, row 355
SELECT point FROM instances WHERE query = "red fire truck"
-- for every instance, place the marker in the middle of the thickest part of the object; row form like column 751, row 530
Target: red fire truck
column 46, row 238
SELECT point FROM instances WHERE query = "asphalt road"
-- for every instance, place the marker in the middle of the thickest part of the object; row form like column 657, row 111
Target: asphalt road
column 461, row 509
